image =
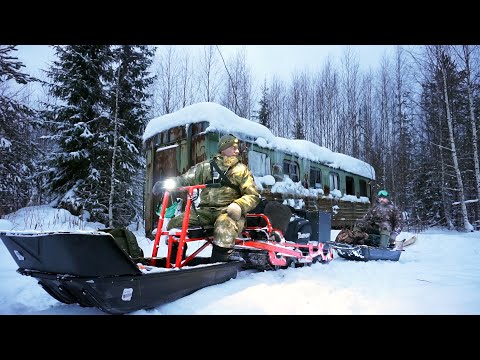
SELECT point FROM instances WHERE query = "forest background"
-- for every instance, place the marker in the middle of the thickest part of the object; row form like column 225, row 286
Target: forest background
column 78, row 143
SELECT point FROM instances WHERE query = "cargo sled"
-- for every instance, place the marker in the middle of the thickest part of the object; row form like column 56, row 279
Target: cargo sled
column 92, row 269
column 367, row 253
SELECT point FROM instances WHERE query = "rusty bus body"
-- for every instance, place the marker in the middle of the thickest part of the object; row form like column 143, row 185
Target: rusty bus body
column 177, row 141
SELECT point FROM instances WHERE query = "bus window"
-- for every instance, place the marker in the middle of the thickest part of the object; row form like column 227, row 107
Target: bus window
column 315, row 178
column 291, row 169
column 334, row 181
column 199, row 127
column 258, row 163
column 277, row 172
column 363, row 188
column 349, row 185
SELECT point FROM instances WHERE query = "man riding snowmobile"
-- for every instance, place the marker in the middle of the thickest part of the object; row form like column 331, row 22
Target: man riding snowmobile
column 224, row 207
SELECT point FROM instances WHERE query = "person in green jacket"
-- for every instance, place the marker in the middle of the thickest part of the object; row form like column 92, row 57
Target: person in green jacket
column 224, row 207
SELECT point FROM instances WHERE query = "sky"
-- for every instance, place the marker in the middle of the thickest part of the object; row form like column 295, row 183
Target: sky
column 283, row 60
column 265, row 60
column 436, row 275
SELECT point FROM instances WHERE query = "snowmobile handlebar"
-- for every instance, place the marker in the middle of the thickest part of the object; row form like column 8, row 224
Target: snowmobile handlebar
column 201, row 186
column 190, row 188
column 171, row 185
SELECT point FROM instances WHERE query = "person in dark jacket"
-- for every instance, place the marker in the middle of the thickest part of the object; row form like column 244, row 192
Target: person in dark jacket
column 225, row 207
column 383, row 221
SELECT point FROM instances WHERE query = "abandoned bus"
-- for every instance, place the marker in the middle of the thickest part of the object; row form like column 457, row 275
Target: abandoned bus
column 298, row 173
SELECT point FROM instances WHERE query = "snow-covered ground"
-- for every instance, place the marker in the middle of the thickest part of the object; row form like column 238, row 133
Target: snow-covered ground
column 438, row 274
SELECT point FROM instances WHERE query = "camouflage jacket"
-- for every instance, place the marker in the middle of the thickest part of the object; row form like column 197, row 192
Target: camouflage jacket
column 382, row 217
column 238, row 174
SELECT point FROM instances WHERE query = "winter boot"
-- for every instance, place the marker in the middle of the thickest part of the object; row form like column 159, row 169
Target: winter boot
column 384, row 238
column 173, row 253
column 220, row 254
column 391, row 244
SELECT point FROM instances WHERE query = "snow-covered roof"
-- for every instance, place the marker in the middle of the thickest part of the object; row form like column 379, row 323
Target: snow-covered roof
column 224, row 120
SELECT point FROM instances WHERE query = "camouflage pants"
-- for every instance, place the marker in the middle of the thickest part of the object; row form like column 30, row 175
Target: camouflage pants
column 376, row 236
column 225, row 228
column 379, row 238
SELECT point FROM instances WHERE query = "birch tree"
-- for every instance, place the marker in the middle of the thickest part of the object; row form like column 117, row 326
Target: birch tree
column 440, row 56
column 187, row 90
column 209, row 74
column 278, row 96
column 381, row 140
column 350, row 87
column 166, row 94
column 465, row 53
column 299, row 95
column 114, row 153
column 238, row 91
column 128, row 108
column 327, row 94
column 402, row 134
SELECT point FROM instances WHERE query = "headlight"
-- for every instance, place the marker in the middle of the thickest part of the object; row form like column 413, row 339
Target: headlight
column 169, row 184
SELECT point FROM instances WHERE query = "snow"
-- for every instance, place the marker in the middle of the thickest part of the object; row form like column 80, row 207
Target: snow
column 223, row 120
column 438, row 274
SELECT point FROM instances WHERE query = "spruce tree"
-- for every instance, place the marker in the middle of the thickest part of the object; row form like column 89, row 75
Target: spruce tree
column 298, row 130
column 79, row 80
column 264, row 113
column 16, row 121
column 99, row 123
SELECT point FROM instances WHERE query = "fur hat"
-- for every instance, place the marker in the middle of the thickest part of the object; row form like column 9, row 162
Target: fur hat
column 226, row 141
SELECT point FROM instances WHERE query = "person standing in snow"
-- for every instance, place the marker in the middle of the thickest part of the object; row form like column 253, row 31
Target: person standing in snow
column 224, row 207
column 383, row 221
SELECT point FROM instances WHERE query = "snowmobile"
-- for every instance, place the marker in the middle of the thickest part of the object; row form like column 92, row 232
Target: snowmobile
column 262, row 246
column 90, row 268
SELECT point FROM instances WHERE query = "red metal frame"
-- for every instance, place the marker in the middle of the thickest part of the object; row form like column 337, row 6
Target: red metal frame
column 279, row 249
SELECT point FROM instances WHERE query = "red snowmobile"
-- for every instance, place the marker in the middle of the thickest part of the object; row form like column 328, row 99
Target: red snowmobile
column 262, row 246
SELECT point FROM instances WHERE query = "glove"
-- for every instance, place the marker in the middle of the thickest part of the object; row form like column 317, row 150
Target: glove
column 393, row 236
column 234, row 211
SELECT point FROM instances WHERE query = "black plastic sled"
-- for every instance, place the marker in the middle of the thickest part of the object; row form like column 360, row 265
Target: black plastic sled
column 364, row 252
column 89, row 268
